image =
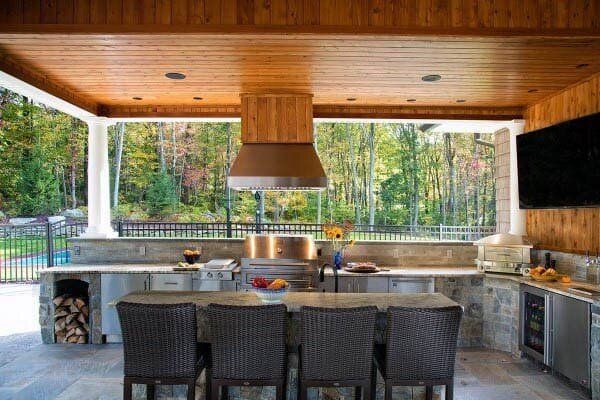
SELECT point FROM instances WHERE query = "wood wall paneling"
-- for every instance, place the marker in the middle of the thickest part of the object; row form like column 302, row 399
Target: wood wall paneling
column 277, row 118
column 569, row 230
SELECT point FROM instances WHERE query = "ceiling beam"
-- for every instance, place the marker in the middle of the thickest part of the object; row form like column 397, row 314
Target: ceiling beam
column 424, row 112
column 380, row 32
column 323, row 111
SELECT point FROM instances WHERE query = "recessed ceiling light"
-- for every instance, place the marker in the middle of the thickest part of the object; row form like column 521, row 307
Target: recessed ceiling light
column 137, row 98
column 431, row 78
column 461, row 101
column 582, row 65
column 175, row 75
column 411, row 100
column 532, row 90
column 197, row 98
column 351, row 99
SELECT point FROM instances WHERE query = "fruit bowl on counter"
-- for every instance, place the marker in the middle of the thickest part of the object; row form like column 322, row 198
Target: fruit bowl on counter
column 191, row 256
column 270, row 291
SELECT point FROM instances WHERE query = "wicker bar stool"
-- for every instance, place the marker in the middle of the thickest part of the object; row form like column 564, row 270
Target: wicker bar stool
column 160, row 347
column 248, row 347
column 336, row 349
column 420, row 349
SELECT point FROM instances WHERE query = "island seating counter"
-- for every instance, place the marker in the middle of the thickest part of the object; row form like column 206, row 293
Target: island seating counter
column 294, row 302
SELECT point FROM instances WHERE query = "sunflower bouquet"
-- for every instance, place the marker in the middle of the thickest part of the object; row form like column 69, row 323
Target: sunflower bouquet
column 338, row 235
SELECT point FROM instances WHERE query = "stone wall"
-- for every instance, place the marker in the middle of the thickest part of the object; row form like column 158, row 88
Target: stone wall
column 595, row 351
column 468, row 292
column 501, row 314
column 46, row 311
column 502, row 179
column 566, row 263
column 169, row 250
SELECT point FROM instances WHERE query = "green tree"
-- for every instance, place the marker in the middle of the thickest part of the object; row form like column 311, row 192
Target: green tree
column 38, row 187
column 161, row 199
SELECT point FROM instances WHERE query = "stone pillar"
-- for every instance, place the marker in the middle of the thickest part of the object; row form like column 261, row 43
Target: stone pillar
column 517, row 216
column 99, row 221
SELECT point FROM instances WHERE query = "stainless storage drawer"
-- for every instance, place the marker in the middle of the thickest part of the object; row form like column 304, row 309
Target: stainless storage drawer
column 411, row 285
column 177, row 282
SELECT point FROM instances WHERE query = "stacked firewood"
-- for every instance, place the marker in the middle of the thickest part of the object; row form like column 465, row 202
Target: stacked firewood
column 71, row 319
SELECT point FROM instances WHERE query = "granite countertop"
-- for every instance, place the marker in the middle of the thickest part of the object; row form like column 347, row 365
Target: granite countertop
column 554, row 287
column 295, row 300
column 117, row 269
column 423, row 271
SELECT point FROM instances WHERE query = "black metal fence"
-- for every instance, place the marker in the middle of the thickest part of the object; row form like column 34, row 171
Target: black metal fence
column 26, row 249
column 239, row 230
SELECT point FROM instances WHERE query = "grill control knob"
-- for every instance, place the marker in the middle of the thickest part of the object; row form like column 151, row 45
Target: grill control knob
column 220, row 275
column 209, row 275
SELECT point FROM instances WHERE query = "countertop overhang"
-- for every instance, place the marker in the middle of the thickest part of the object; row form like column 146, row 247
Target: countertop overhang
column 295, row 300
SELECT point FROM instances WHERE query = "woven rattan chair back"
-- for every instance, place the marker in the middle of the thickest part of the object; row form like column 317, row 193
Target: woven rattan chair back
column 248, row 342
column 159, row 340
column 421, row 343
column 337, row 344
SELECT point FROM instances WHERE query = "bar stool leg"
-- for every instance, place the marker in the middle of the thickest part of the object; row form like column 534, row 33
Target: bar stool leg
column 302, row 392
column 450, row 391
column 191, row 390
column 214, row 391
column 357, row 392
column 224, row 392
column 279, row 391
column 150, row 392
column 207, row 384
column 373, row 382
column 366, row 390
column 428, row 392
column 127, row 389
column 388, row 390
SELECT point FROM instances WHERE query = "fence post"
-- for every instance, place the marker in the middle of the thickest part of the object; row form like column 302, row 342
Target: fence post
column 49, row 245
column 120, row 227
column 440, row 232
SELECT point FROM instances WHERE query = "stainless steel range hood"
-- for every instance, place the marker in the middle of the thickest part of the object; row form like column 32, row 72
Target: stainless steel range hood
column 277, row 150
column 277, row 166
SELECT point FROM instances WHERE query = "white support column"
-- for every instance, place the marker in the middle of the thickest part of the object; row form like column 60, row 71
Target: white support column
column 517, row 216
column 99, row 222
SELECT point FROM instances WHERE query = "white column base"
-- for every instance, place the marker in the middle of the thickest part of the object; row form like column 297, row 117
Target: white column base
column 99, row 233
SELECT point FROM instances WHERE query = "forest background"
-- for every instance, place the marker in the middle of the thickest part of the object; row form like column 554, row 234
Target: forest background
column 379, row 174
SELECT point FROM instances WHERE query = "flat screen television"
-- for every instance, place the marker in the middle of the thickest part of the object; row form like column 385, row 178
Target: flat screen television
column 559, row 166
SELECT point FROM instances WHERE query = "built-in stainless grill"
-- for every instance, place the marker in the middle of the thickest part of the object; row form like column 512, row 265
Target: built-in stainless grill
column 504, row 253
column 293, row 258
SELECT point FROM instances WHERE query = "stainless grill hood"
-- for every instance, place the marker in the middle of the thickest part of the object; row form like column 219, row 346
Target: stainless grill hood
column 277, row 166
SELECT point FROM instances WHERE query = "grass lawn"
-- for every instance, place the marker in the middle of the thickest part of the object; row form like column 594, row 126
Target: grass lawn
column 18, row 246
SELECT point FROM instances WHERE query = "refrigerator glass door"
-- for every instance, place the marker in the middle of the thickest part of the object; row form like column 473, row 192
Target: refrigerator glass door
column 534, row 322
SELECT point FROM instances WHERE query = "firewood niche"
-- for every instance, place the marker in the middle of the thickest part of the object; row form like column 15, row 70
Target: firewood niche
column 71, row 312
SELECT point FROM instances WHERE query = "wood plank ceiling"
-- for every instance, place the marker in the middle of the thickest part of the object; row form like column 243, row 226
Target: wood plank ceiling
column 111, row 57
